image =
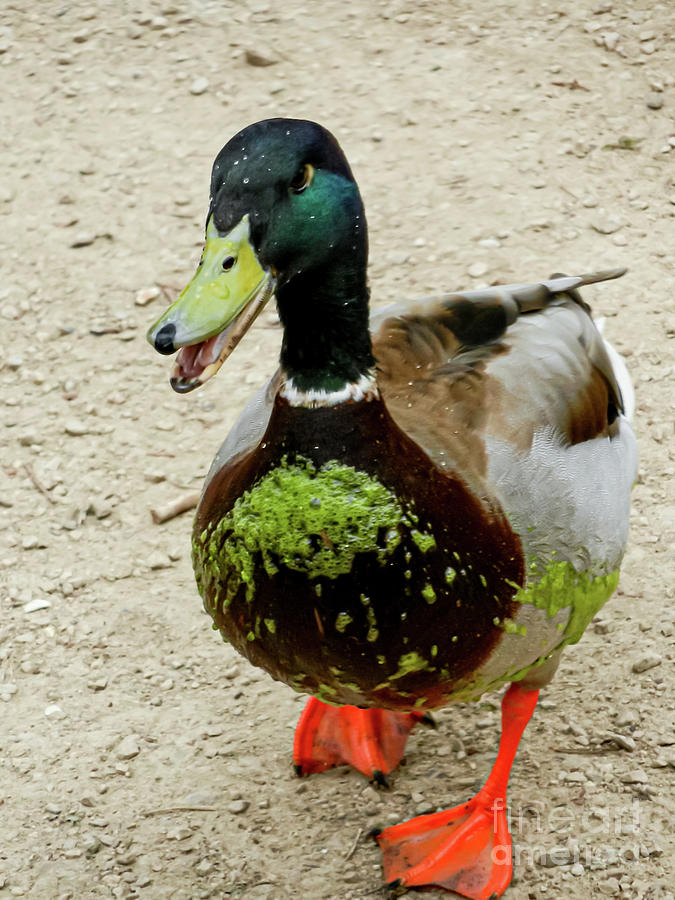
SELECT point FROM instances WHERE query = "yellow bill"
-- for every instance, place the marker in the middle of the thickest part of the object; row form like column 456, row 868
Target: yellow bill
column 215, row 310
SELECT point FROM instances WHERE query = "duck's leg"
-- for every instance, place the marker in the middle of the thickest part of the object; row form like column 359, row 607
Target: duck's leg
column 466, row 849
column 371, row 740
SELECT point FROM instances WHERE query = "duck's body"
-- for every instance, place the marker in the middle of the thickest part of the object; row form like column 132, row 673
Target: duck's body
column 407, row 522
column 492, row 532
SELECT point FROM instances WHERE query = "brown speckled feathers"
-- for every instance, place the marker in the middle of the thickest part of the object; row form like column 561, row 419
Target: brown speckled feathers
column 450, row 380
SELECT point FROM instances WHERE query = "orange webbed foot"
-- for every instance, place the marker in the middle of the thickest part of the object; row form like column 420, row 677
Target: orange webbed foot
column 370, row 740
column 466, row 850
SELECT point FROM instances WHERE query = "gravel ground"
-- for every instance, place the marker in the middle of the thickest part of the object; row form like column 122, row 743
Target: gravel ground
column 493, row 141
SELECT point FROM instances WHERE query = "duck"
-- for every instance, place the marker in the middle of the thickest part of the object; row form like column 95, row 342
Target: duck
column 420, row 506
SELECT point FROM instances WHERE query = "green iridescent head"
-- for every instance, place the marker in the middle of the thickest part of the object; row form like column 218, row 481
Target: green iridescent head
column 284, row 213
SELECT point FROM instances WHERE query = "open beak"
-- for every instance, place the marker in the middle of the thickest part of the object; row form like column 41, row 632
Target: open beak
column 215, row 310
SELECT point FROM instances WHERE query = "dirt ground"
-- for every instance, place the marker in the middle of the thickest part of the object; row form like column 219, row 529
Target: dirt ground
column 139, row 757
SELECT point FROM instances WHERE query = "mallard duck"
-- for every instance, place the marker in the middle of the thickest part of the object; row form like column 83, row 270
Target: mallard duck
column 408, row 514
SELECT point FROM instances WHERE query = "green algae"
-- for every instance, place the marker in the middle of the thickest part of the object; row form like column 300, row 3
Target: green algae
column 424, row 540
column 326, row 693
column 373, row 631
column 410, row 662
column 311, row 520
column 407, row 664
column 561, row 586
column 429, row 594
column 341, row 621
column 511, row 627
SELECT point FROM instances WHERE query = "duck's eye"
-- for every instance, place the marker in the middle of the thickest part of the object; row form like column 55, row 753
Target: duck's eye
column 302, row 178
column 228, row 262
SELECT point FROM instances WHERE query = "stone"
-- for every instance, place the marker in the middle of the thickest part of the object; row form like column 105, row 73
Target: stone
column 637, row 776
column 646, row 662
column 7, row 690
column 179, row 833
column 128, row 747
column 83, row 239
column 477, row 269
column 75, row 427
column 606, row 224
column 147, row 295
column 36, row 604
column 623, row 741
column 159, row 560
column 204, row 867
column 199, row 86
column 257, row 57
column 236, row 807
column 654, row 100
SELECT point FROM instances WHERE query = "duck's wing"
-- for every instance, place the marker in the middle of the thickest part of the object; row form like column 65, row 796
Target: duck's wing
column 511, row 359
column 513, row 388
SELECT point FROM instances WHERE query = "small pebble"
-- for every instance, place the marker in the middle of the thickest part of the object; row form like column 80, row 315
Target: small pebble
column 637, row 776
column 199, row 86
column 36, row 604
column 477, row 269
column 147, row 295
column 159, row 560
column 259, row 58
column 610, row 39
column 611, row 887
column 654, row 100
column 75, row 427
column 30, row 667
column 606, row 224
column 648, row 661
column 238, row 806
column 577, row 869
column 83, row 239
column 626, row 718
column 7, row 690
column 204, row 867
column 627, row 743
column 128, row 747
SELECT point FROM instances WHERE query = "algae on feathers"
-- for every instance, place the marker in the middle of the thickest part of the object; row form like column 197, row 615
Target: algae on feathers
column 308, row 519
column 561, row 586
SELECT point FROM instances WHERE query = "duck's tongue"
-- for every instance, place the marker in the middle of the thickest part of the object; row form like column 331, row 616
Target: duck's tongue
column 191, row 361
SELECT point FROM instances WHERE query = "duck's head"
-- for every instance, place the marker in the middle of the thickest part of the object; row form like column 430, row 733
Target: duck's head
column 284, row 210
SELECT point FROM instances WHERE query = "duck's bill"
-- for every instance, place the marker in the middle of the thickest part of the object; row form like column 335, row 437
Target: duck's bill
column 215, row 310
